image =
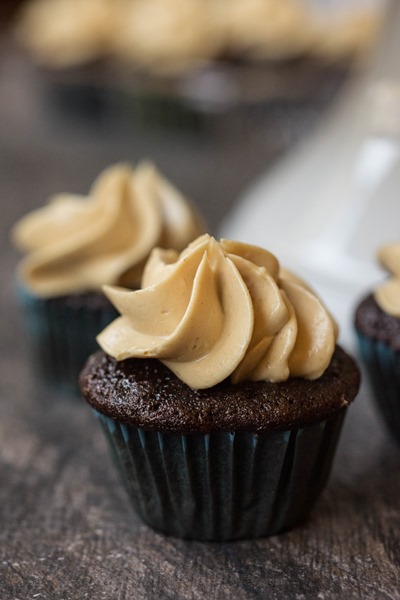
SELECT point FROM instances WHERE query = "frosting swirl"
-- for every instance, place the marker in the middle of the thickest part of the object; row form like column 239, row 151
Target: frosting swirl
column 171, row 36
column 219, row 310
column 79, row 243
column 168, row 35
column 269, row 28
column 64, row 33
column 387, row 295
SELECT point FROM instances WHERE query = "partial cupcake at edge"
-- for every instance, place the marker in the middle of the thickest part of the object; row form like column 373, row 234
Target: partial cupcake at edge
column 222, row 392
column 377, row 324
column 76, row 244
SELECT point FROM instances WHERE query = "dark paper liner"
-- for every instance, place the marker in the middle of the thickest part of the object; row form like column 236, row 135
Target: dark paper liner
column 383, row 368
column 226, row 96
column 223, row 486
column 61, row 337
column 77, row 95
column 85, row 103
column 131, row 106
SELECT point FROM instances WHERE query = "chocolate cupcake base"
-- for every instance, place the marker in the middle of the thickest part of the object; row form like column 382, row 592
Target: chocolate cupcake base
column 225, row 463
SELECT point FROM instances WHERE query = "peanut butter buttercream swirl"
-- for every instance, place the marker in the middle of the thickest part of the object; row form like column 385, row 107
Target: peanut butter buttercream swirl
column 169, row 36
column 173, row 36
column 65, row 33
column 218, row 310
column 79, row 243
column 387, row 295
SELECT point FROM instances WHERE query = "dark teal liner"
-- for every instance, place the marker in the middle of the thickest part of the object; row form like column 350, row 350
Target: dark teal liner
column 157, row 111
column 383, row 369
column 223, row 486
column 61, row 337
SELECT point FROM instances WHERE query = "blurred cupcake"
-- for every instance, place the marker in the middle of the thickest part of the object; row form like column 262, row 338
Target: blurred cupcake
column 169, row 36
column 158, row 46
column 67, row 33
column 76, row 244
column 377, row 323
column 269, row 29
column 197, row 64
column 222, row 392
column 70, row 41
column 182, row 65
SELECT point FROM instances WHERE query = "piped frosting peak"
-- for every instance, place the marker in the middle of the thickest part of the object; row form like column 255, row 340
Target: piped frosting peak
column 221, row 310
column 78, row 243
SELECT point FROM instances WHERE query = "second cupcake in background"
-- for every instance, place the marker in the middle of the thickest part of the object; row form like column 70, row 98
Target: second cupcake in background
column 222, row 392
column 76, row 244
column 377, row 323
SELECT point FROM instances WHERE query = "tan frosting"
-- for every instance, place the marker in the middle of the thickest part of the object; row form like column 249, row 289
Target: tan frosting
column 269, row 28
column 168, row 35
column 388, row 294
column 219, row 310
column 352, row 35
column 63, row 33
column 79, row 243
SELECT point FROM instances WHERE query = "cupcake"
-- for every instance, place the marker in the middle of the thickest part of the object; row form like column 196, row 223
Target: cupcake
column 69, row 41
column 66, row 33
column 215, row 65
column 76, row 244
column 377, row 324
column 183, row 65
column 168, row 36
column 222, row 392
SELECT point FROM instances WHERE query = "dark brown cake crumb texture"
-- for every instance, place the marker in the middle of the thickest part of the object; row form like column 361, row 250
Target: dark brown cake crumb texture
column 373, row 322
column 145, row 393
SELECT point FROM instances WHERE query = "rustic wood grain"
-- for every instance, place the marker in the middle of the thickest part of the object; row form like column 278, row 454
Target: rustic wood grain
column 67, row 531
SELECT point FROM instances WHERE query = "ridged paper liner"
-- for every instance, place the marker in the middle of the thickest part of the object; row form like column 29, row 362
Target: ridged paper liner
column 227, row 100
column 383, row 368
column 120, row 104
column 223, row 486
column 61, row 338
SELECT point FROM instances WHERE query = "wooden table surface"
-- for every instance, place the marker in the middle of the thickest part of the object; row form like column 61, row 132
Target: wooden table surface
column 67, row 531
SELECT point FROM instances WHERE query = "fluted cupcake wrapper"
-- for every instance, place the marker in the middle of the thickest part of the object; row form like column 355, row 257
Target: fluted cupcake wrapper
column 61, row 337
column 223, row 486
column 383, row 368
column 86, row 103
column 157, row 111
column 109, row 104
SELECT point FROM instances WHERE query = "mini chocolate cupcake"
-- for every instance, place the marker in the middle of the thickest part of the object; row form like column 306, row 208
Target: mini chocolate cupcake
column 222, row 392
column 377, row 324
column 76, row 244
